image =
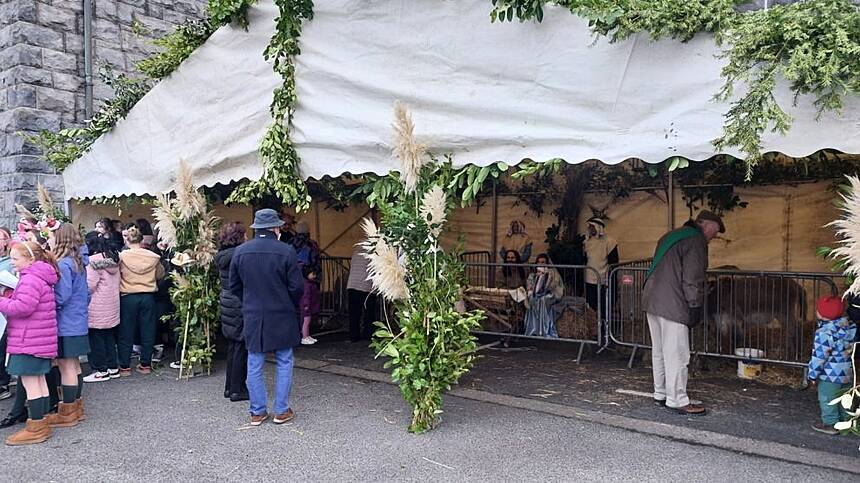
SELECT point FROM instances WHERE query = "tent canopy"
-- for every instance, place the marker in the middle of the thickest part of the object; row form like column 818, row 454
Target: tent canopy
column 483, row 92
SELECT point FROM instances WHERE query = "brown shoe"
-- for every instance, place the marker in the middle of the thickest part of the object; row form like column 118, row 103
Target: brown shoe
column 124, row 372
column 35, row 432
column 144, row 369
column 65, row 417
column 257, row 420
column 690, row 410
column 80, row 406
column 284, row 418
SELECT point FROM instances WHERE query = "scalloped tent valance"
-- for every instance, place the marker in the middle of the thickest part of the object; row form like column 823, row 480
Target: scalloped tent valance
column 483, row 92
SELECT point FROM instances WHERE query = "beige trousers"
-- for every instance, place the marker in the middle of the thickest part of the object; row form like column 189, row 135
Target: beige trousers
column 670, row 355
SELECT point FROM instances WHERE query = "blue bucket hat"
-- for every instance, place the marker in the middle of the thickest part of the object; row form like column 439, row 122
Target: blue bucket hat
column 266, row 218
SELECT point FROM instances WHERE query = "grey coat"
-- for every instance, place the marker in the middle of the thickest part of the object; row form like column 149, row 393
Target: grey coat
column 678, row 282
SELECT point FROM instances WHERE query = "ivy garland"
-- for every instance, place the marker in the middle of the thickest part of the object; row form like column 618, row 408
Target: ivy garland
column 814, row 44
column 62, row 148
column 280, row 159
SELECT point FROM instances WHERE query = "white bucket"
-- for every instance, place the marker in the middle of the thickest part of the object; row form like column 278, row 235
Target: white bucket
column 748, row 369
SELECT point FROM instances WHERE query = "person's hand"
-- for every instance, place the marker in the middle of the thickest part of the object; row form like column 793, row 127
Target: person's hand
column 695, row 314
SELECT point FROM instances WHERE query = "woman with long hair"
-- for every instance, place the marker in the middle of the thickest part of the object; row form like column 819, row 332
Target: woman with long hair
column 72, row 298
column 5, row 266
column 545, row 289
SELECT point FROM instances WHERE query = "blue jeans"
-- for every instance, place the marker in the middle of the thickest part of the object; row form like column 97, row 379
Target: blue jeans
column 828, row 391
column 257, row 383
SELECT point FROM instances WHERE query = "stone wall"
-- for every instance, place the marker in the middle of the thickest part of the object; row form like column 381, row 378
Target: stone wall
column 42, row 74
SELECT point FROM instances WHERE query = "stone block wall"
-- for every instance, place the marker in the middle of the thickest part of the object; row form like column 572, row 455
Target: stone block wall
column 42, row 74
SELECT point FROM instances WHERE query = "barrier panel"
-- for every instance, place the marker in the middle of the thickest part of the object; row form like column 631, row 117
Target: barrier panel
column 747, row 315
column 333, row 279
column 477, row 269
column 513, row 310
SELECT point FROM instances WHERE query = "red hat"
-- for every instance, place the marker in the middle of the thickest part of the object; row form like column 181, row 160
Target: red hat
column 830, row 307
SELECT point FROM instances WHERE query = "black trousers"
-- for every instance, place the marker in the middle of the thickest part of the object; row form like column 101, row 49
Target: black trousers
column 237, row 368
column 362, row 308
column 4, row 376
column 103, row 349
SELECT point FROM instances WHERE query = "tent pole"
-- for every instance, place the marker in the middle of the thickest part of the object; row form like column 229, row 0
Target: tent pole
column 670, row 198
column 495, row 222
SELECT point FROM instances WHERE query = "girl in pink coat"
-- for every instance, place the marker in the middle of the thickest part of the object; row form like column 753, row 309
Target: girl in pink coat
column 103, row 278
column 32, row 334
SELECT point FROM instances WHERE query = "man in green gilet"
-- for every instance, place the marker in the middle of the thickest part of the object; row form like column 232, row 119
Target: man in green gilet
column 673, row 298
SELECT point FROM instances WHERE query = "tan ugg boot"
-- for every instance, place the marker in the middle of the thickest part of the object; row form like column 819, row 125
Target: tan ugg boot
column 35, row 432
column 65, row 417
column 80, row 406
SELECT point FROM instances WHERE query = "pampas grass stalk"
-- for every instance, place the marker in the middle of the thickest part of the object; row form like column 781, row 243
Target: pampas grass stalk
column 848, row 232
column 407, row 150
column 45, row 202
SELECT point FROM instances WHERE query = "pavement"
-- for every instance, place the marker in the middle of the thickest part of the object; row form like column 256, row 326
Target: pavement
column 772, row 411
column 155, row 428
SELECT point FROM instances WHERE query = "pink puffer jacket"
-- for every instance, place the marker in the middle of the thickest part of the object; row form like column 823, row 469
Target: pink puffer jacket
column 103, row 279
column 31, row 312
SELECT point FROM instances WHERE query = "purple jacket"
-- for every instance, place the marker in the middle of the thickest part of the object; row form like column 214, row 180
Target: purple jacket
column 32, row 313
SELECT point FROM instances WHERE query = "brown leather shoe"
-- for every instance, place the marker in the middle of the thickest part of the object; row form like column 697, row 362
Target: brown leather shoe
column 144, row 369
column 35, row 432
column 690, row 410
column 257, row 420
column 124, row 371
column 65, row 417
column 284, row 418
column 80, row 406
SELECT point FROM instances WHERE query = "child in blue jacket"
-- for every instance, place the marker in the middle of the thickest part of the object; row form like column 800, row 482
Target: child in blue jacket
column 830, row 365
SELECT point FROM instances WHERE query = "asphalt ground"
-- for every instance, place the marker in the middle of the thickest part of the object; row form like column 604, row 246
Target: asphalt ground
column 155, row 428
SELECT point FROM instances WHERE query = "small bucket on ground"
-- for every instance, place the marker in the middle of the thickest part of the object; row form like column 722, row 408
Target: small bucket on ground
column 748, row 369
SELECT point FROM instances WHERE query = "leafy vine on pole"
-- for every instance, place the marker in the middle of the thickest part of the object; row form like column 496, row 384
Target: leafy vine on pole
column 281, row 174
column 188, row 227
column 431, row 345
column 813, row 44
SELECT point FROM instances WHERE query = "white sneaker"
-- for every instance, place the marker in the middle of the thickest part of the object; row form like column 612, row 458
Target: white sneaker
column 157, row 353
column 175, row 365
column 113, row 373
column 309, row 341
column 98, row 377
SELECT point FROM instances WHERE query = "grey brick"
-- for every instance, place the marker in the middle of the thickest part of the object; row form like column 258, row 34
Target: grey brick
column 107, row 53
column 20, row 96
column 106, row 30
column 73, row 5
column 54, row 184
column 24, row 163
column 55, row 100
column 106, row 9
column 66, row 82
column 23, row 74
column 17, row 10
column 156, row 27
column 128, row 13
column 174, row 17
column 190, row 7
column 20, row 54
column 74, row 44
column 28, row 33
column 29, row 119
column 59, row 18
column 154, row 10
column 59, row 61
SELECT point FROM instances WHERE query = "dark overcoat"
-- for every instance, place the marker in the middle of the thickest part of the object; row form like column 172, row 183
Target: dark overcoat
column 265, row 275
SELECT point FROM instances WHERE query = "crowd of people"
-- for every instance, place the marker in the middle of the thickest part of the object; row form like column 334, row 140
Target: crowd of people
column 105, row 296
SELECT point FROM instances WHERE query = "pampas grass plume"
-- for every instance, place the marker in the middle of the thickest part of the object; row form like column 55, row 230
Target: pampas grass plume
column 848, row 232
column 385, row 267
column 165, row 220
column 406, row 149
column 45, row 202
column 189, row 200
column 433, row 208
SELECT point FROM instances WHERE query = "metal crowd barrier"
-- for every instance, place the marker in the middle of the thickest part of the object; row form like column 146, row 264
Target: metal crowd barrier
column 505, row 317
column 333, row 294
column 761, row 316
column 476, row 268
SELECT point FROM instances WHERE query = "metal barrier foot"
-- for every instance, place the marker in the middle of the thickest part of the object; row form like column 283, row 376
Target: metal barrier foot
column 581, row 348
column 632, row 357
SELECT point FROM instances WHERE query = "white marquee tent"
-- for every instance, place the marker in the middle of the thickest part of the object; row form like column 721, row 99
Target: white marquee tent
column 481, row 91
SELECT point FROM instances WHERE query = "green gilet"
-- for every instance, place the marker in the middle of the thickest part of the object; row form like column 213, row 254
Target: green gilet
column 671, row 240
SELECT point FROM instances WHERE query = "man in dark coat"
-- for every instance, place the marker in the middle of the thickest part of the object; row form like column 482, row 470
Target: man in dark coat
column 265, row 275
column 673, row 299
